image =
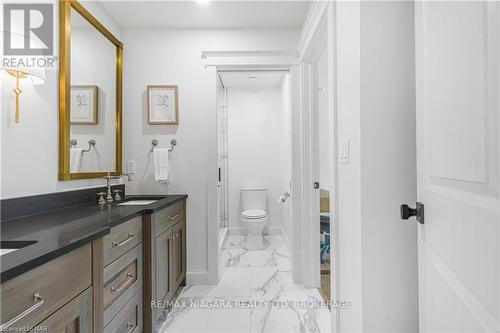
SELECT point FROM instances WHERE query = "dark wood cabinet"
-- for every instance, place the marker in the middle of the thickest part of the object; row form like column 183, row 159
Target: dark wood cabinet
column 178, row 258
column 75, row 316
column 163, row 264
column 164, row 259
column 42, row 292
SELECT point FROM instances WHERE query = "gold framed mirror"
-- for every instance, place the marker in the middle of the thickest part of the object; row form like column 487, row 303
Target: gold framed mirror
column 90, row 95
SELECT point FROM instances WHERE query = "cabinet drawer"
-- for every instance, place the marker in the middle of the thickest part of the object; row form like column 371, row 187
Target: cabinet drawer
column 34, row 295
column 129, row 319
column 76, row 316
column 122, row 280
column 169, row 216
column 122, row 238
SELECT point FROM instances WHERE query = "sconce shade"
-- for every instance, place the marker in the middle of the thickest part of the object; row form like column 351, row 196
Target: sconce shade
column 19, row 64
column 37, row 76
column 21, row 67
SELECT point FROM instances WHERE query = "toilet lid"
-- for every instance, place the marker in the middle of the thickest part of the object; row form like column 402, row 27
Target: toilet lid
column 253, row 213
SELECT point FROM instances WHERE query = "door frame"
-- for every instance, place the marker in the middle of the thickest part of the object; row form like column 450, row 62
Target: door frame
column 216, row 61
column 320, row 28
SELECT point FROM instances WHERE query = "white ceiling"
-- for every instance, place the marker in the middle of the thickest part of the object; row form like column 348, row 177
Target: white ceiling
column 243, row 80
column 207, row 14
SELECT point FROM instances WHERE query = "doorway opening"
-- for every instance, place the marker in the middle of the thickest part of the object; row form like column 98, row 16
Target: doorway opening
column 254, row 159
column 324, row 170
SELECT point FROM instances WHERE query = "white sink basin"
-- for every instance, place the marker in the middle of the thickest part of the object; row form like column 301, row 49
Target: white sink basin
column 137, row 202
column 5, row 251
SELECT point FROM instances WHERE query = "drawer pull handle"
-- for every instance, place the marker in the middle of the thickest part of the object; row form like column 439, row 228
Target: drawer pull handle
column 38, row 302
column 117, row 289
column 174, row 217
column 125, row 241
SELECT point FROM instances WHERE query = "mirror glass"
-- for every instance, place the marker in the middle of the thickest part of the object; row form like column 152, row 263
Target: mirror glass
column 92, row 99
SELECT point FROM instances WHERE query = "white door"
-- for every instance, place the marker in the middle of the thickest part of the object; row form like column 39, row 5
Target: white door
column 457, row 57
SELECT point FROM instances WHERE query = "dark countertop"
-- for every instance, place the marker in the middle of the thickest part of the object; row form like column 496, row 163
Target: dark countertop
column 58, row 232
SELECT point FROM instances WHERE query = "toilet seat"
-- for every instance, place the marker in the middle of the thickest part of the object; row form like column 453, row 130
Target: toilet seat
column 252, row 214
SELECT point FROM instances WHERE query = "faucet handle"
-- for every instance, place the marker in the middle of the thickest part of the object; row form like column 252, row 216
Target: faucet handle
column 117, row 195
column 101, row 200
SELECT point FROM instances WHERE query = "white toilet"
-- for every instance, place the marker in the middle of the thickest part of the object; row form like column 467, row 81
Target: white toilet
column 253, row 217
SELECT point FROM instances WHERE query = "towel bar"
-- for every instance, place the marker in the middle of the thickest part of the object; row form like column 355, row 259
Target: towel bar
column 154, row 144
column 91, row 144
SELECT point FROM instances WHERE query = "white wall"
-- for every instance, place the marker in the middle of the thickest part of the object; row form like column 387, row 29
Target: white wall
column 388, row 174
column 349, row 175
column 377, row 258
column 174, row 57
column 257, row 149
column 29, row 149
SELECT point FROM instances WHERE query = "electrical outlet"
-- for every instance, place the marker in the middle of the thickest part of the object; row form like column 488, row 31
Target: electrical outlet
column 131, row 167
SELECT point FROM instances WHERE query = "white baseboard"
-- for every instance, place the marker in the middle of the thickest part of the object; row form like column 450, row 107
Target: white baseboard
column 272, row 230
column 196, row 277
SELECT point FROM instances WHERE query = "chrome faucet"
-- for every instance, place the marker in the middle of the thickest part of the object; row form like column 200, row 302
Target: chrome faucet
column 109, row 196
column 108, row 177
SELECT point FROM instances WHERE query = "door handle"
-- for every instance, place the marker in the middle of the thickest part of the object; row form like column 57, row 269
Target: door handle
column 418, row 212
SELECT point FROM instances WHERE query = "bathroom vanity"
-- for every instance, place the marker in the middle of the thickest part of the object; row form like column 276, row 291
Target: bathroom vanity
column 69, row 264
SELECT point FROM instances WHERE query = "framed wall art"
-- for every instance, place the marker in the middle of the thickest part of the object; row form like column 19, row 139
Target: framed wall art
column 163, row 105
column 83, row 105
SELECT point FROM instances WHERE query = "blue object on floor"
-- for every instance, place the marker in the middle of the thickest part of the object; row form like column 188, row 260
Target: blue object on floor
column 325, row 229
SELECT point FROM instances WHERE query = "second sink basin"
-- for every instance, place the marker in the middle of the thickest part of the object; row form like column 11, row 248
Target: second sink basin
column 136, row 202
column 11, row 246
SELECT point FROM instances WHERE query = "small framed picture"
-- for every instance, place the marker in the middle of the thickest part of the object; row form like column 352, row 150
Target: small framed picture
column 84, row 105
column 163, row 105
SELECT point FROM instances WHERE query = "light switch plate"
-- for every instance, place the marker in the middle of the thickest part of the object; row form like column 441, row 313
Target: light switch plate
column 131, row 167
column 344, row 151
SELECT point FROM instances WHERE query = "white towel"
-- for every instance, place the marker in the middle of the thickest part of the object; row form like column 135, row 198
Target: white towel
column 75, row 159
column 161, row 164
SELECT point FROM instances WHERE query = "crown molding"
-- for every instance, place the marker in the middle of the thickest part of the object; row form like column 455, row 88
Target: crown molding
column 316, row 12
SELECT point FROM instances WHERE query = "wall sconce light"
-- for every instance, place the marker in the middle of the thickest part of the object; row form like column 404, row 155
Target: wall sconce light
column 36, row 76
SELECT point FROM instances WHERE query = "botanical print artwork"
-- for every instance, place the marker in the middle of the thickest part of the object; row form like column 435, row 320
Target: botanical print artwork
column 83, row 105
column 80, row 103
column 163, row 102
column 162, row 105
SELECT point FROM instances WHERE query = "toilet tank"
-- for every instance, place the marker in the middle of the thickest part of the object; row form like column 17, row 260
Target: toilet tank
column 253, row 198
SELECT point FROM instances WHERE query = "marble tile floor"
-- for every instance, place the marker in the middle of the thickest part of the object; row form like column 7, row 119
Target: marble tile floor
column 256, row 294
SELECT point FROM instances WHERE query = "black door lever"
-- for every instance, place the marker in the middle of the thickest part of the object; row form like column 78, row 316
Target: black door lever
column 407, row 212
